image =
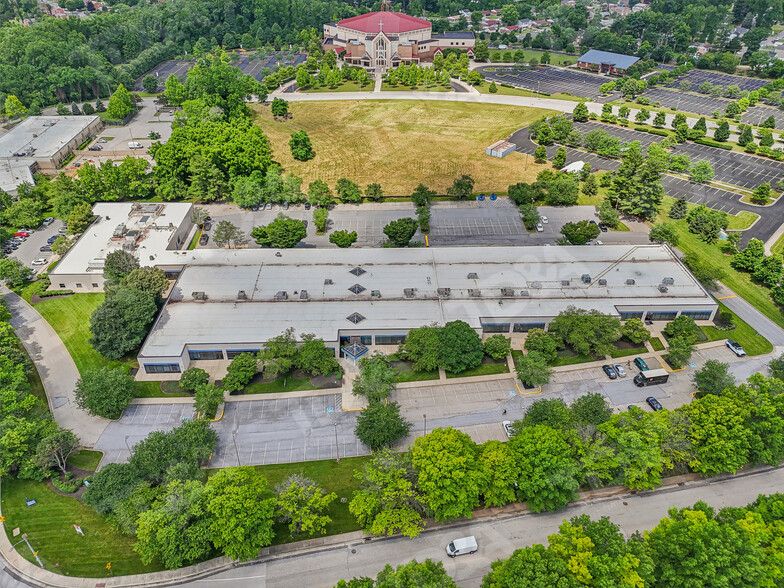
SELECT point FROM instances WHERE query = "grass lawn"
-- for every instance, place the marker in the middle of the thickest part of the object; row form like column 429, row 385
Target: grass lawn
column 778, row 246
column 486, row 369
column 555, row 58
column 620, row 227
column 282, row 384
column 738, row 282
column 742, row 220
column 49, row 527
column 484, row 88
column 86, row 459
column 745, row 334
column 568, row 357
column 365, row 141
column 332, row 477
column 70, row 317
column 656, row 344
column 627, row 352
column 406, row 374
column 347, row 86
column 195, row 240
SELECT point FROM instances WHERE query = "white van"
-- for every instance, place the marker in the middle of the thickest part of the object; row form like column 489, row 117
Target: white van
column 462, row 546
column 135, row 145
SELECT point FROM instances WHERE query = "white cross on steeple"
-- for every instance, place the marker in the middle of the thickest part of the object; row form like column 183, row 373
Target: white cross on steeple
column 380, row 26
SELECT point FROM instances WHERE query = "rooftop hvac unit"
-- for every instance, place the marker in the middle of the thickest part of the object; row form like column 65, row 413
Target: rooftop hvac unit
column 375, row 293
column 473, row 276
column 241, row 295
column 524, row 293
column 602, row 282
column 408, row 292
column 586, row 278
column 49, row 123
column 96, row 264
column 444, row 292
column 281, row 295
column 662, row 288
column 199, row 295
column 303, row 295
column 668, row 281
column 507, row 291
column 536, row 285
column 630, row 282
column 327, row 282
column 474, row 293
column 565, row 282
column 119, row 231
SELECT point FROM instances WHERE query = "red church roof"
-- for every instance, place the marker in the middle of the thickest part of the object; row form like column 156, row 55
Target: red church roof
column 393, row 22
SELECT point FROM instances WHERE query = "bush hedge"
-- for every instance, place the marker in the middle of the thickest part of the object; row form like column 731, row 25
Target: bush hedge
column 49, row 293
column 710, row 143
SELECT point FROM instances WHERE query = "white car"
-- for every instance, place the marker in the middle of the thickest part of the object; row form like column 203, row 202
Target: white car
column 39, row 261
column 509, row 429
column 539, row 227
column 599, row 242
column 545, row 220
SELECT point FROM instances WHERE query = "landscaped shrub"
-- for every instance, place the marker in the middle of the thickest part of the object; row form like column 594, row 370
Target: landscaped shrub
column 710, row 143
column 49, row 293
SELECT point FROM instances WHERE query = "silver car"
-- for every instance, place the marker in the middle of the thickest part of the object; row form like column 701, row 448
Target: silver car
column 619, row 370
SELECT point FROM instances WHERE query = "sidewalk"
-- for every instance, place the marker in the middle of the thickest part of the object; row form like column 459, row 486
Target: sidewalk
column 56, row 367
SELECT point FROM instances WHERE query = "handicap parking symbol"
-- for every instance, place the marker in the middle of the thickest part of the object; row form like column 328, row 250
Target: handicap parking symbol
column 330, row 409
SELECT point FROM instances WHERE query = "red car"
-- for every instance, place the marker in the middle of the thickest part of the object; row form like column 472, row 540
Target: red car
column 21, row 234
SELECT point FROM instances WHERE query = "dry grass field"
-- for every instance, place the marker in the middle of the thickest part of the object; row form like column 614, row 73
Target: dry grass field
column 400, row 143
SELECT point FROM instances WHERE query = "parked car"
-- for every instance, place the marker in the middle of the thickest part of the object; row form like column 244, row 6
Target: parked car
column 640, row 363
column 461, row 546
column 254, row 208
column 597, row 242
column 51, row 240
column 285, row 205
column 269, row 206
column 593, row 222
column 47, row 221
column 653, row 403
column 207, row 226
column 94, row 148
column 21, row 234
column 39, row 261
column 62, row 230
column 12, row 245
column 203, row 240
column 603, row 227
column 508, row 429
column 736, row 348
column 544, row 220
column 45, row 248
column 305, row 223
column 609, row 371
column 539, row 228
column 619, row 370
column 101, row 140
column 307, row 206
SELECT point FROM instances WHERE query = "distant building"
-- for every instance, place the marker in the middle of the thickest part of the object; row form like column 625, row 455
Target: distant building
column 606, row 62
column 379, row 41
column 45, row 141
column 14, row 174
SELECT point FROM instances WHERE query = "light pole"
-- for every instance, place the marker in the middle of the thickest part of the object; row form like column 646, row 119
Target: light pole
column 425, row 417
column 337, row 446
column 126, row 443
column 236, row 451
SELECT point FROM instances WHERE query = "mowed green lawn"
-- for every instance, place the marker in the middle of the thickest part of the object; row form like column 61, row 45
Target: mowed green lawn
column 70, row 317
column 49, row 527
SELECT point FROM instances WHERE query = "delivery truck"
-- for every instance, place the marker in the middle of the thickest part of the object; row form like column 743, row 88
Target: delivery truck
column 649, row 377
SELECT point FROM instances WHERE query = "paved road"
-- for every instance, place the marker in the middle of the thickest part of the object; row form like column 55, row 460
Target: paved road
column 56, row 367
column 496, row 538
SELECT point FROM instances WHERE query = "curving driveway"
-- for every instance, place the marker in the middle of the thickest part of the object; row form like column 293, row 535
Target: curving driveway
column 56, row 367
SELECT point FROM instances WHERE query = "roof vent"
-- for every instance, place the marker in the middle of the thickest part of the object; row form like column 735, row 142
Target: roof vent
column 375, row 293
column 303, row 295
column 199, row 295
column 408, row 292
column 355, row 318
column 602, row 282
column 507, row 291
column 473, row 276
column 536, row 285
column 281, row 295
column 327, row 282
column 357, row 289
column 565, row 282
column 474, row 293
column 444, row 292
column 524, row 293
column 630, row 282
column 241, row 295
column 357, row 271
column 586, row 278
column 662, row 288
column 668, row 281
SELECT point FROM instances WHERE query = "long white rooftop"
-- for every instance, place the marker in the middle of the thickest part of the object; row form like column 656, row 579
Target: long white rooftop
column 42, row 136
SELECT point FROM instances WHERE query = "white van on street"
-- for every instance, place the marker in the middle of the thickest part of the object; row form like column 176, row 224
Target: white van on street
column 462, row 546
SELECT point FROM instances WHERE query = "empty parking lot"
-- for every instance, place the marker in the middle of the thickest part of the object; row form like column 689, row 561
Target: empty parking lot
column 757, row 115
column 548, row 80
column 696, row 104
column 698, row 76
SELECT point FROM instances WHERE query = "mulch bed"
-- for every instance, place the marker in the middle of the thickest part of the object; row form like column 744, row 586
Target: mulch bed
column 77, row 473
column 35, row 298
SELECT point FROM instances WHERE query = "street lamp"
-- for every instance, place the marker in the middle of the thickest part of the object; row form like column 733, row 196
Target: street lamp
column 425, row 417
column 337, row 445
column 236, row 451
column 126, row 443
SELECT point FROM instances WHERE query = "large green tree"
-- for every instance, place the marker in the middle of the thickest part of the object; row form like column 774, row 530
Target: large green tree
column 302, row 504
column 381, row 425
column 120, row 324
column 105, row 391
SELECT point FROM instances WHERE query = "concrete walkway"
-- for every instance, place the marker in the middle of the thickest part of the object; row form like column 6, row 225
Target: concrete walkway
column 56, row 367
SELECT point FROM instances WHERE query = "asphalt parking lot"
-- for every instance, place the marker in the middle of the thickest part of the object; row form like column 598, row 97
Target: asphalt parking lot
column 30, row 249
column 147, row 120
column 549, row 80
column 683, row 102
column 757, row 114
column 698, row 76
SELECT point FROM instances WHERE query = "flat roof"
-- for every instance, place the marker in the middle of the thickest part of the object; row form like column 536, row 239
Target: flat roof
column 401, row 289
column 618, row 60
column 13, row 174
column 45, row 135
column 151, row 238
